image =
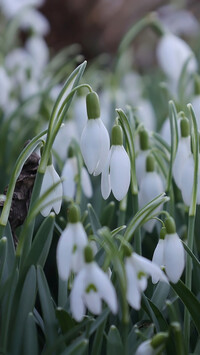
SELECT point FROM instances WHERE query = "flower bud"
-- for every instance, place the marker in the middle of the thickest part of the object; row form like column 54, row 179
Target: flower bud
column 74, row 214
column 185, row 127
column 144, row 140
column 93, row 106
column 88, row 254
column 117, row 135
column 170, row 225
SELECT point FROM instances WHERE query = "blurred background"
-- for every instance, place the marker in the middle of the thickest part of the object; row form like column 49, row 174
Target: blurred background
column 100, row 25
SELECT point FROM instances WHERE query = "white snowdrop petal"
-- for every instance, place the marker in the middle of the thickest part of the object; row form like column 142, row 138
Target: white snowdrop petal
column 64, row 253
column 182, row 155
column 58, row 194
column 104, row 286
column 104, row 151
column 68, row 175
column 93, row 302
column 158, row 257
column 77, row 305
column 145, row 348
column 186, row 181
column 91, row 144
column 105, row 179
column 174, row 257
column 133, row 293
column 145, row 265
column 86, row 183
column 119, row 172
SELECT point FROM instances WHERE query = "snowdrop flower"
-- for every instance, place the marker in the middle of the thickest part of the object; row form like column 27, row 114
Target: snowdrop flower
column 150, row 187
column 91, row 285
column 95, row 140
column 11, row 7
column 172, row 53
column 183, row 151
column 152, row 346
column 80, row 114
column 70, row 249
column 138, row 269
column 169, row 252
column 20, row 64
column 69, row 175
column 39, row 52
column 63, row 139
column 5, row 88
column 116, row 174
column 140, row 161
column 50, row 178
column 34, row 20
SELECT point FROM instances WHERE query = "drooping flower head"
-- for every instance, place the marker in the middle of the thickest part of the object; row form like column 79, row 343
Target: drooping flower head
column 116, row 174
column 54, row 198
column 150, row 187
column 69, row 175
column 70, row 249
column 153, row 346
column 169, row 252
column 95, row 141
column 90, row 287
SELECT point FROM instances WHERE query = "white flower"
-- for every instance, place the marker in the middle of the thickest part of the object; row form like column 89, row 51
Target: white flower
column 63, row 139
column 146, row 114
column 172, row 53
column 70, row 249
column 11, row 7
column 169, row 253
column 39, row 52
column 91, row 285
column 54, row 198
column 95, row 141
column 145, row 348
column 95, row 145
column 150, row 187
column 116, row 175
column 5, row 88
column 34, row 20
column 187, row 179
column 69, row 173
column 138, row 269
column 182, row 154
column 140, row 165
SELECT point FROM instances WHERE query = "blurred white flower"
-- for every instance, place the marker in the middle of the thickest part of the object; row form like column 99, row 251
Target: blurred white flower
column 20, row 65
column 29, row 89
column 39, row 52
column 150, row 187
column 70, row 249
column 145, row 348
column 169, row 253
column 90, row 287
column 11, row 7
column 5, row 88
column 182, row 154
column 54, row 198
column 172, row 53
column 32, row 19
column 69, row 175
column 63, row 139
column 138, row 269
column 145, row 113
column 95, row 141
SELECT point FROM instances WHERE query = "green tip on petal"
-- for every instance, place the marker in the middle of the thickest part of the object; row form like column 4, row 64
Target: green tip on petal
column 88, row 253
column 144, row 140
column 170, row 225
column 70, row 152
column 117, row 135
column 93, row 106
column 74, row 214
column 185, row 127
column 159, row 339
column 163, row 233
column 150, row 163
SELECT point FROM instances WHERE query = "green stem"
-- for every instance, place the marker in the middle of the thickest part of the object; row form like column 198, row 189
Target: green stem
column 188, row 277
column 137, row 235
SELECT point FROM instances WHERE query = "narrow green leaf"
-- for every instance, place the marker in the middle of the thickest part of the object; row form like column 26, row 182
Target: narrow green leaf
column 114, row 342
column 190, row 301
column 189, row 251
column 48, row 310
column 66, row 322
column 26, row 304
column 94, row 220
column 41, row 244
column 160, row 294
column 98, row 339
column 30, row 337
column 10, row 259
column 77, row 348
column 3, row 255
column 107, row 215
column 154, row 314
